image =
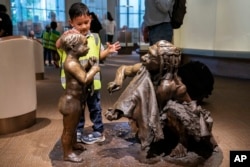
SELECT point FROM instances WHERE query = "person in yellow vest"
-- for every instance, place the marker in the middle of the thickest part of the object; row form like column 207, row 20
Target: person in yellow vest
column 80, row 20
column 54, row 36
column 46, row 49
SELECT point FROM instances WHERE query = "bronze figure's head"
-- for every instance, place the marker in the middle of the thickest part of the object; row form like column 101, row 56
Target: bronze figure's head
column 161, row 56
column 75, row 43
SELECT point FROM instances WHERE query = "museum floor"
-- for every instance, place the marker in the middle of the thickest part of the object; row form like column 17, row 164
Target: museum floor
column 229, row 105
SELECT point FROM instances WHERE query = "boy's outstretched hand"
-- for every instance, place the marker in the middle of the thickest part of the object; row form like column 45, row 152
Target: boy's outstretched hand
column 113, row 48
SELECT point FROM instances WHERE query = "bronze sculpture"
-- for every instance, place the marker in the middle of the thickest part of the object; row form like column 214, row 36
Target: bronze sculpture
column 78, row 81
column 156, row 102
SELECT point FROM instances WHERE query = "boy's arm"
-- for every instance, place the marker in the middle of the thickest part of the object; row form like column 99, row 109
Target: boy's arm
column 110, row 49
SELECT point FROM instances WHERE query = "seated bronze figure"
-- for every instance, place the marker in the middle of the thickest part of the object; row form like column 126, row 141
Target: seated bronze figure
column 156, row 103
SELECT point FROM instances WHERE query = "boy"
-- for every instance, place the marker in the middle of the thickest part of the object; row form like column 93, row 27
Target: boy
column 80, row 20
column 78, row 79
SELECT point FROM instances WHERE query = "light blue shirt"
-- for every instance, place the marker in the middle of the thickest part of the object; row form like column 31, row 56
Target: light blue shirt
column 157, row 11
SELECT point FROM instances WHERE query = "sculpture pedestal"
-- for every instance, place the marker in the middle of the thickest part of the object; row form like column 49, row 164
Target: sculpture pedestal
column 121, row 148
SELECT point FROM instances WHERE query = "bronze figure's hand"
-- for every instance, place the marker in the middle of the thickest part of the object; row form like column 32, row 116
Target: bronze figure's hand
column 96, row 68
column 112, row 87
column 92, row 61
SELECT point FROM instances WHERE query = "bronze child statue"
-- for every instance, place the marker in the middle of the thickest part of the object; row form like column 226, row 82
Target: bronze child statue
column 78, row 80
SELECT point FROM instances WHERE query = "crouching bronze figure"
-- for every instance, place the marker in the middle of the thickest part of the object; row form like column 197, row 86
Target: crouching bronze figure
column 158, row 106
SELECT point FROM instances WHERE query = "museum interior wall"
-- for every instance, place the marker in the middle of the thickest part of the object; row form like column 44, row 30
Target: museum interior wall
column 214, row 31
column 216, row 25
column 217, row 32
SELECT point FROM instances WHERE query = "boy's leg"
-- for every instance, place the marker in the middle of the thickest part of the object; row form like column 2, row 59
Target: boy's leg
column 45, row 53
column 95, row 111
column 94, row 106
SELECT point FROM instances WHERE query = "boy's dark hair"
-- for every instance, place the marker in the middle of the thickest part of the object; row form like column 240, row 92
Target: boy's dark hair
column 53, row 25
column 78, row 9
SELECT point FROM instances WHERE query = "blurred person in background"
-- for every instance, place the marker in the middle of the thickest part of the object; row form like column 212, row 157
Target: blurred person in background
column 46, row 49
column 110, row 26
column 6, row 26
column 54, row 36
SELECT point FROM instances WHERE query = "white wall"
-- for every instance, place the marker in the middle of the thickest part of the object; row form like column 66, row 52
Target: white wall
column 233, row 25
column 215, row 25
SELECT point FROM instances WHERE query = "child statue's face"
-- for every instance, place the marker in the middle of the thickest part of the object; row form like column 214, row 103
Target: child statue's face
column 75, row 44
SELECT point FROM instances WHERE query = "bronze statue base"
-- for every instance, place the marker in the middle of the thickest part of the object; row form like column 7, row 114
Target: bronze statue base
column 121, row 148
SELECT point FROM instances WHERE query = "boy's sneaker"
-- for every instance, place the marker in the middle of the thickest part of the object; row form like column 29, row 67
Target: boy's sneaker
column 93, row 138
column 78, row 137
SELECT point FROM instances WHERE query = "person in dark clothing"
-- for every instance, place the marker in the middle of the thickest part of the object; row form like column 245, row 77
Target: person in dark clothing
column 54, row 36
column 95, row 25
column 6, row 27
